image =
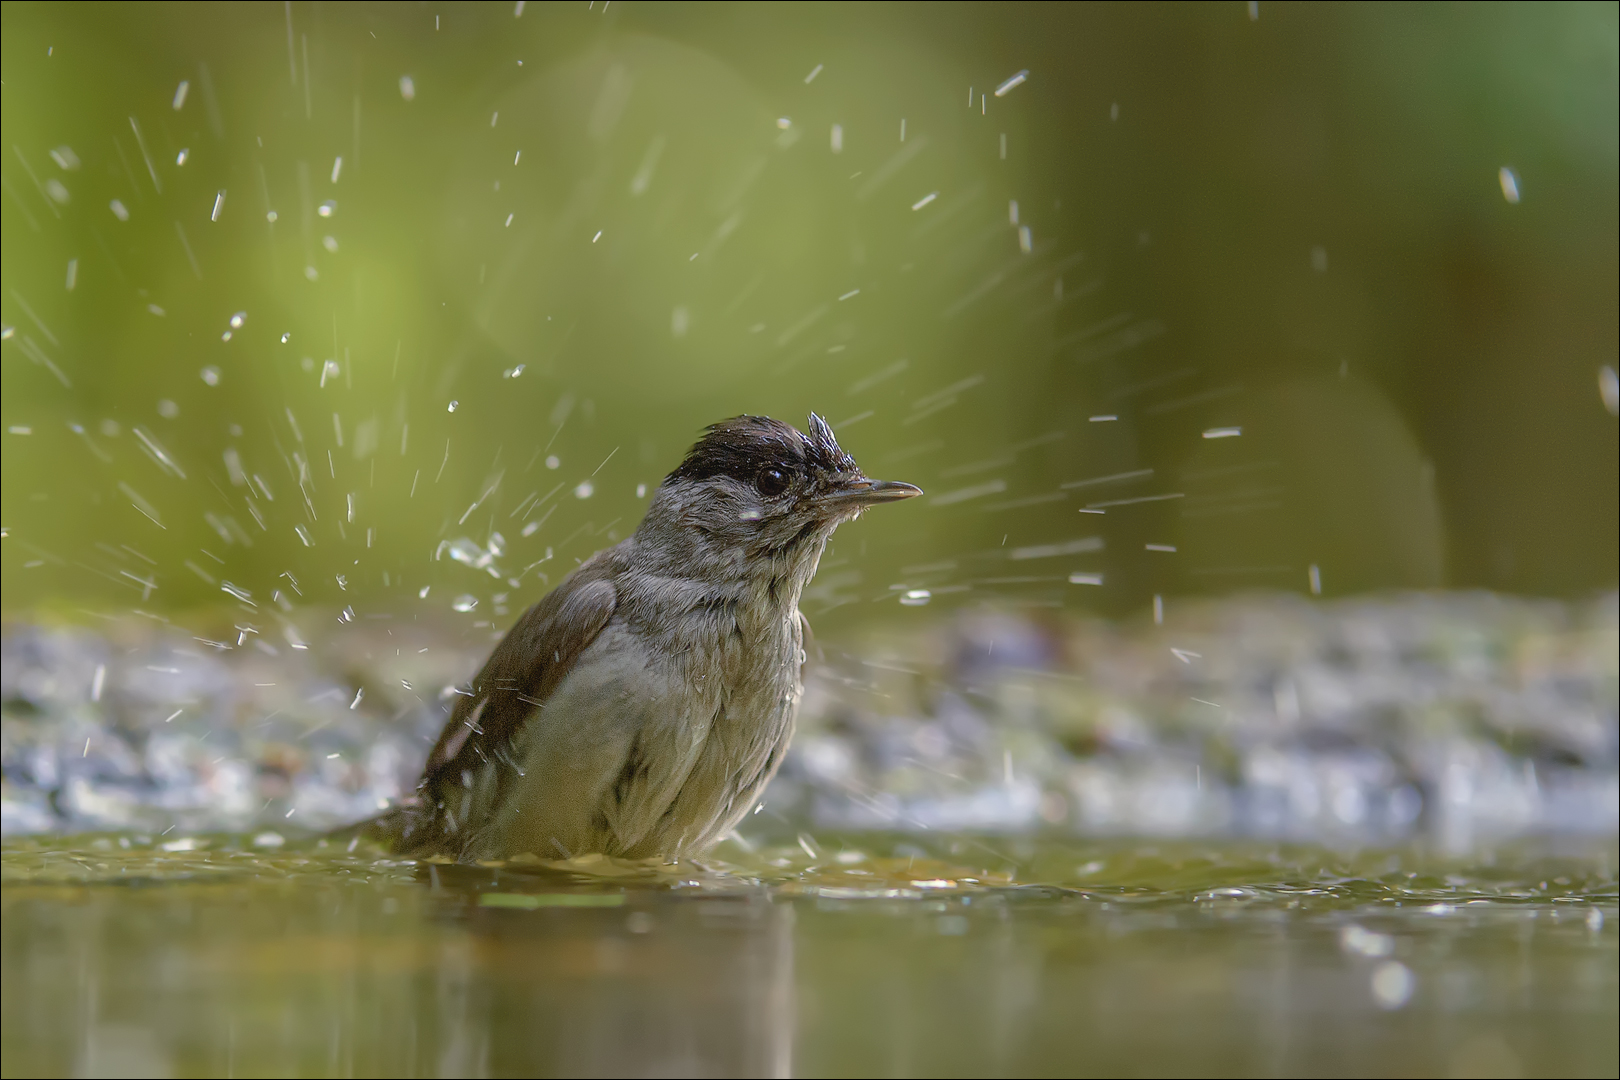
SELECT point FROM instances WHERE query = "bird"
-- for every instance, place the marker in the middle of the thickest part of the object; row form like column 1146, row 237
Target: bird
column 641, row 707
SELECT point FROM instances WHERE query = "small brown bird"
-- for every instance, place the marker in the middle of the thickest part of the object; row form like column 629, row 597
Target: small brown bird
column 641, row 707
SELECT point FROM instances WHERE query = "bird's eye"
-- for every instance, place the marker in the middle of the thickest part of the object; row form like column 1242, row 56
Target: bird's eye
column 771, row 481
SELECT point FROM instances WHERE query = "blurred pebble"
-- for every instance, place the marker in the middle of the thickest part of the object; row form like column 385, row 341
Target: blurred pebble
column 1465, row 717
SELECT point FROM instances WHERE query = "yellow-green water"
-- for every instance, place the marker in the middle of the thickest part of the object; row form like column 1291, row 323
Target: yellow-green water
column 874, row 956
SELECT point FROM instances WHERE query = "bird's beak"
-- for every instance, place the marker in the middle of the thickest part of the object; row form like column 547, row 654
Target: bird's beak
column 861, row 492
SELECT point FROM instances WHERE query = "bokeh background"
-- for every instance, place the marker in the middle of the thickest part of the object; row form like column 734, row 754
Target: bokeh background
column 345, row 303
column 334, row 334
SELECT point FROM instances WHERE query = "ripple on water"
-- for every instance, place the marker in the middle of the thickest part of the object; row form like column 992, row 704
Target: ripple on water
column 1200, row 876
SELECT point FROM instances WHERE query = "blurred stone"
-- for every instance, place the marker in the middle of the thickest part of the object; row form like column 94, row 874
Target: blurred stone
column 1464, row 717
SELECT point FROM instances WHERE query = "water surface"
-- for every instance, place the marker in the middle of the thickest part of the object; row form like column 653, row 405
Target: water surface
column 853, row 955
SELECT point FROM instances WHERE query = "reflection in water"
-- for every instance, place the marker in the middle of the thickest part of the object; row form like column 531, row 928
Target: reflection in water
column 661, row 988
column 1162, row 959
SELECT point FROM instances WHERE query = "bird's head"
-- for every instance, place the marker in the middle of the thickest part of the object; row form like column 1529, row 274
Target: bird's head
column 763, row 490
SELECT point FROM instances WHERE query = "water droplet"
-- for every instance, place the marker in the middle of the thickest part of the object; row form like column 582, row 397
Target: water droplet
column 453, row 406
column 1392, row 984
column 1358, row 939
column 1509, row 180
column 553, row 461
column 915, row 597
column 467, row 553
column 210, row 375
column 465, row 602
column 585, row 490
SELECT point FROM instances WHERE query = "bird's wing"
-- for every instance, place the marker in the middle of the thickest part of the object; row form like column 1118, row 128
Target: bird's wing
column 523, row 671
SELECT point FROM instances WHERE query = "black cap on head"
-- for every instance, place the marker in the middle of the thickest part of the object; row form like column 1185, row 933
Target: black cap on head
column 741, row 446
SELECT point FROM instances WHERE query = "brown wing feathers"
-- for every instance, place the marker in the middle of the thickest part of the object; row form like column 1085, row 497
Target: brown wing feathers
column 522, row 672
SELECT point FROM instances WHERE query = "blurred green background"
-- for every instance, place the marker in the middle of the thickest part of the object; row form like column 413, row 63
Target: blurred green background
column 305, row 293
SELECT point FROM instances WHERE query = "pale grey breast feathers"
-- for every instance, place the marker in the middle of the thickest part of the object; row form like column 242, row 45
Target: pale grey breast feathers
column 661, row 736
